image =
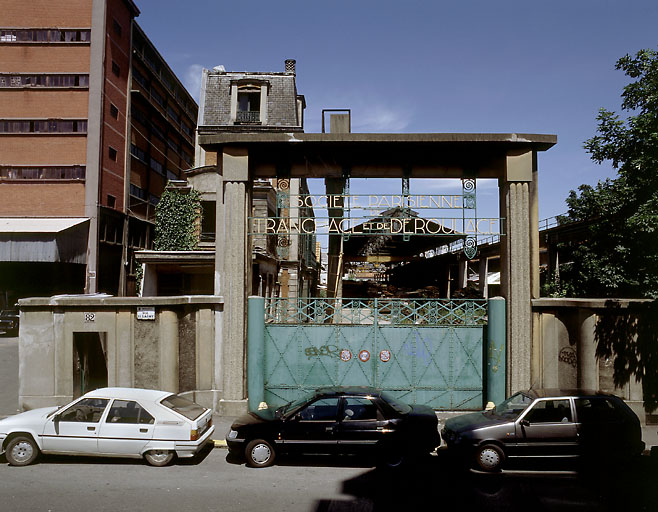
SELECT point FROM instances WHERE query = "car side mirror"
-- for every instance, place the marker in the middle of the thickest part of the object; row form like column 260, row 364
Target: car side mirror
column 524, row 423
column 56, row 419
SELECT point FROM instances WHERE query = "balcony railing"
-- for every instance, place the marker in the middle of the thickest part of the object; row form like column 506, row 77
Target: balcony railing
column 248, row 117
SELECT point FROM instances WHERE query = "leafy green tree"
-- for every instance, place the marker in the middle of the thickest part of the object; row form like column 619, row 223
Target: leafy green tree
column 177, row 220
column 619, row 255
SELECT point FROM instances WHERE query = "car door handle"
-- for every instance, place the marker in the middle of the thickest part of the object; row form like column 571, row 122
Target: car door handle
column 143, row 430
column 329, row 429
column 91, row 429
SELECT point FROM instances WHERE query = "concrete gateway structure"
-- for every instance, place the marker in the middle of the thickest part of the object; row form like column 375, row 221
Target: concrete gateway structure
column 233, row 351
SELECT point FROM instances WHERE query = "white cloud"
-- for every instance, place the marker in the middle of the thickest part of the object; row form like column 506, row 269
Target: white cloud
column 192, row 80
column 380, row 118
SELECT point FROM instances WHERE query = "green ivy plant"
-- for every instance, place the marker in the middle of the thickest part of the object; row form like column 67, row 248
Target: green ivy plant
column 177, row 220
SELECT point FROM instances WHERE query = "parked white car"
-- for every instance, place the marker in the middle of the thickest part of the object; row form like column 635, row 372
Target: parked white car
column 113, row 422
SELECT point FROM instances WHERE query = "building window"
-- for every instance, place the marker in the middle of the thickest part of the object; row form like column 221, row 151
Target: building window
column 248, row 107
column 116, row 27
column 111, row 201
column 114, row 112
column 140, row 79
column 137, row 192
column 186, row 129
column 157, row 166
column 173, row 114
column 44, row 36
column 138, row 153
column 157, row 97
column 43, row 80
column 71, row 172
column 43, row 126
column 112, row 153
column 116, row 70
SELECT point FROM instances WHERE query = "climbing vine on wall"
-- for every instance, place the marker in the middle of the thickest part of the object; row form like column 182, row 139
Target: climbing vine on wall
column 178, row 220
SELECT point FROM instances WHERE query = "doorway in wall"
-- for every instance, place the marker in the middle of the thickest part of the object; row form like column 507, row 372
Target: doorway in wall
column 89, row 362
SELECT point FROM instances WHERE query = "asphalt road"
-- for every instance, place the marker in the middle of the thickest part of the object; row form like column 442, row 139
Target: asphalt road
column 313, row 484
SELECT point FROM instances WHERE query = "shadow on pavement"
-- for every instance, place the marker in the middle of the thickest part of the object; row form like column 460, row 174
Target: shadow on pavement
column 437, row 482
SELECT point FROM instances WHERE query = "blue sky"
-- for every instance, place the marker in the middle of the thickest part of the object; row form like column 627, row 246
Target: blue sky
column 429, row 66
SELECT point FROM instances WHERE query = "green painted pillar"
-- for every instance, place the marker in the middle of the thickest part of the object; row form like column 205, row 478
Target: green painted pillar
column 496, row 351
column 255, row 351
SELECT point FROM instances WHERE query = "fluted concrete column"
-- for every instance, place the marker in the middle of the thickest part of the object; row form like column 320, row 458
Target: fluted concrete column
column 168, row 351
column 588, row 374
column 519, row 253
column 235, row 249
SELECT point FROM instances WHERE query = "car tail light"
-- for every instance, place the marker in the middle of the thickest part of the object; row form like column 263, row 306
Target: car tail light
column 194, row 434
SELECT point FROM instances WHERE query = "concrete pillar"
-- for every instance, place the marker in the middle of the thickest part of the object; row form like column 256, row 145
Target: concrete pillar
column 588, row 375
column 462, row 279
column 204, row 349
column 519, row 244
column 495, row 391
column 256, row 352
column 234, row 278
column 484, row 276
column 168, row 351
column 124, row 374
column 220, row 237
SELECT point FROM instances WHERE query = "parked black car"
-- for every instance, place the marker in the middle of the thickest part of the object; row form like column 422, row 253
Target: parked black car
column 9, row 321
column 545, row 423
column 337, row 420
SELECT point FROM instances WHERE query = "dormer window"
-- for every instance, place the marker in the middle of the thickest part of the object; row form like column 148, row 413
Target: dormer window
column 248, row 106
column 249, row 102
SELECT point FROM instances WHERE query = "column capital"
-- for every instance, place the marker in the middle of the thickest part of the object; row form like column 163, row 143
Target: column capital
column 235, row 163
column 520, row 165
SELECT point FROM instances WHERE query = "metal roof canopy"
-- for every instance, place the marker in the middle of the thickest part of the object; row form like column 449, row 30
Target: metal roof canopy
column 376, row 155
column 42, row 239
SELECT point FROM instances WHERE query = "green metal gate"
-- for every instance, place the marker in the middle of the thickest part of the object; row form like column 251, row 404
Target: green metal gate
column 424, row 351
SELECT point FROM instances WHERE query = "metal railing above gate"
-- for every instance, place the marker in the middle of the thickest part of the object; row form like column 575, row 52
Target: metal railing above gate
column 377, row 311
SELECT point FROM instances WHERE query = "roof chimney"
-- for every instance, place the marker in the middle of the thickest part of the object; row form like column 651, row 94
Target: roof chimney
column 290, row 66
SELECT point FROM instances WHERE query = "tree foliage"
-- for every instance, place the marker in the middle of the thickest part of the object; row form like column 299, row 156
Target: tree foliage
column 177, row 217
column 620, row 253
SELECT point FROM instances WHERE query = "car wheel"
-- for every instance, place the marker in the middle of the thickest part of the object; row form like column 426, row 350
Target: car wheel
column 21, row 451
column 159, row 458
column 390, row 458
column 489, row 457
column 259, row 454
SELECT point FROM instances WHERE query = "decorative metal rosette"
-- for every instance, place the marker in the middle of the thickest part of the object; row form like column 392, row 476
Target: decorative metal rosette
column 283, row 184
column 345, row 355
column 364, row 356
column 385, row 356
column 470, row 247
column 468, row 184
column 283, row 241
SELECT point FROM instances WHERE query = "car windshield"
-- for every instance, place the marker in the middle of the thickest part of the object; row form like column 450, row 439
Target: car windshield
column 400, row 407
column 183, row 406
column 513, row 406
column 291, row 407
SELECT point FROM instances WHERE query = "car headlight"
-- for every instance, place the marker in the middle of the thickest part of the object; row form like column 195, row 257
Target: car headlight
column 233, row 434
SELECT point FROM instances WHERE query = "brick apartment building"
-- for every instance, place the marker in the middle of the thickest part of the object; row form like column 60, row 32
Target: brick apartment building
column 93, row 123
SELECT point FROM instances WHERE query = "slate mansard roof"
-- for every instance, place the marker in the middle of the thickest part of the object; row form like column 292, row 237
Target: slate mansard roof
column 284, row 105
